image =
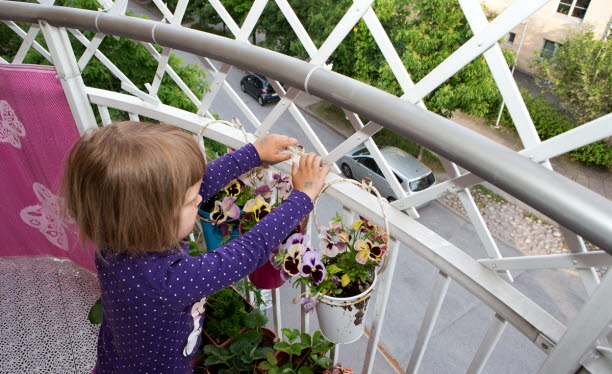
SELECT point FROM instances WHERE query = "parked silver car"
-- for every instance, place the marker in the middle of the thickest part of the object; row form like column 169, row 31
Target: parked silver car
column 410, row 172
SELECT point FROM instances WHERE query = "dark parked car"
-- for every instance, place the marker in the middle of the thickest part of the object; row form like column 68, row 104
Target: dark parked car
column 411, row 174
column 258, row 87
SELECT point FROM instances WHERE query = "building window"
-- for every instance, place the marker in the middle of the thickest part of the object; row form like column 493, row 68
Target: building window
column 549, row 49
column 575, row 8
column 510, row 38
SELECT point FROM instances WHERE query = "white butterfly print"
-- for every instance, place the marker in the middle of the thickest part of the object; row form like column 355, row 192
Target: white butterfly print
column 197, row 311
column 46, row 217
column 10, row 126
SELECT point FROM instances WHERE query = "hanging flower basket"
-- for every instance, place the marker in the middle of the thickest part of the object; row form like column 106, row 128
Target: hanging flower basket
column 341, row 274
column 271, row 275
column 342, row 319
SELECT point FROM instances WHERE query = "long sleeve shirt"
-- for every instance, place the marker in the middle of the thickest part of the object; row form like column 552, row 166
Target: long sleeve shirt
column 153, row 304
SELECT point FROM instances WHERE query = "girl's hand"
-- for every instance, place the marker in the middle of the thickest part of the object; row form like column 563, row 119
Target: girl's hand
column 269, row 146
column 309, row 176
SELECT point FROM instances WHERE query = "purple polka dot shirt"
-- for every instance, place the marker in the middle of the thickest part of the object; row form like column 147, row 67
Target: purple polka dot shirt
column 153, row 305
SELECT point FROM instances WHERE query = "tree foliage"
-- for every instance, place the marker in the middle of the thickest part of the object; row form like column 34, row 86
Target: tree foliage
column 423, row 32
column 131, row 58
column 580, row 74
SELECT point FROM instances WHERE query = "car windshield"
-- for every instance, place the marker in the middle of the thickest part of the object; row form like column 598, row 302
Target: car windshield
column 422, row 183
column 362, row 151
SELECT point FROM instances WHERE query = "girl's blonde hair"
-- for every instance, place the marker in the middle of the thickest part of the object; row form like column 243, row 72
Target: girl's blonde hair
column 125, row 183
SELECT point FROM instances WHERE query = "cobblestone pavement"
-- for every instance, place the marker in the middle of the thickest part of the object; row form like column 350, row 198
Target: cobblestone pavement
column 512, row 224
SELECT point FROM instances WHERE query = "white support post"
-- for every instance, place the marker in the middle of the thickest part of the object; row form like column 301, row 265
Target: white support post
column 69, row 75
column 431, row 315
column 478, row 44
column 584, row 260
column 453, row 185
column 251, row 20
column 215, row 87
column 278, row 110
column 494, row 333
column 476, row 218
column 26, row 44
column 276, row 311
column 134, row 117
column 225, row 16
column 297, row 27
column 346, row 24
column 353, row 141
column 233, row 95
column 118, row 8
column 579, row 340
column 335, row 355
column 104, row 115
column 304, row 317
column 382, row 298
column 19, row 31
column 575, row 138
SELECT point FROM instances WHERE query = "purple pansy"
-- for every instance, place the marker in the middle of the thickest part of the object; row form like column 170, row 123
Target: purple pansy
column 308, row 303
column 330, row 247
column 312, row 266
column 223, row 210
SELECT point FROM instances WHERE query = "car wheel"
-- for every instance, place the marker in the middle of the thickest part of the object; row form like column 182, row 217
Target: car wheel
column 242, row 87
column 346, row 170
column 391, row 199
column 260, row 101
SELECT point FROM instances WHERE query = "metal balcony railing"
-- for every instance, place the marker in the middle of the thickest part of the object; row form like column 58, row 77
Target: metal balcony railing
column 527, row 175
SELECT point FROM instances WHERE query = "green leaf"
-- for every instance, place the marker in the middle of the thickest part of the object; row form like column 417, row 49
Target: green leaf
column 95, row 313
column 271, row 359
column 282, row 346
column 255, row 319
column 262, row 352
column 240, row 347
column 265, row 365
column 333, row 269
column 306, row 338
column 297, row 348
column 304, row 370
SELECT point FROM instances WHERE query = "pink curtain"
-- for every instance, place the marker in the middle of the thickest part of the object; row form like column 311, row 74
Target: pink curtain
column 36, row 132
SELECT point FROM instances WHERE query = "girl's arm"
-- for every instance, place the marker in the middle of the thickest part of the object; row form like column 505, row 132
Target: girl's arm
column 226, row 168
column 187, row 279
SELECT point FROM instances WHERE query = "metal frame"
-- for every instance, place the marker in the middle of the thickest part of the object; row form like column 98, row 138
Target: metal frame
column 518, row 173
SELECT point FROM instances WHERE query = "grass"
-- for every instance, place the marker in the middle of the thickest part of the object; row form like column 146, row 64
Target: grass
column 331, row 113
column 490, row 194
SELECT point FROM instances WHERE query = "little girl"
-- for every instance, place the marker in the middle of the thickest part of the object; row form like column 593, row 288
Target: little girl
column 134, row 189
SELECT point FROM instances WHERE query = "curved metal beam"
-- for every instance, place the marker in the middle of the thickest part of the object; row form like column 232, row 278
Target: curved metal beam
column 572, row 205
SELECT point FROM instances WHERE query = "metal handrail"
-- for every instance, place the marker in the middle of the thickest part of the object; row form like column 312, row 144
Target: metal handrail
column 570, row 204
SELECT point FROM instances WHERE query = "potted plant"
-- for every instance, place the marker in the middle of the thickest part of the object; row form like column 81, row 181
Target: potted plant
column 269, row 276
column 219, row 215
column 243, row 354
column 225, row 315
column 340, row 275
column 306, row 356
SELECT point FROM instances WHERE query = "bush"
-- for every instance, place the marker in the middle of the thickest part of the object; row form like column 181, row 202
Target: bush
column 551, row 121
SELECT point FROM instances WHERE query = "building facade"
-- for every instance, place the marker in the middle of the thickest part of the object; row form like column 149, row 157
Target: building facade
column 541, row 34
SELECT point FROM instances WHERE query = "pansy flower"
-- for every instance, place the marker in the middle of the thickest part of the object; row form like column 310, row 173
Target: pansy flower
column 312, row 266
column 258, row 206
column 234, row 188
column 367, row 250
column 308, row 303
column 297, row 238
column 293, row 259
column 223, row 210
column 263, row 190
column 345, row 237
column 330, row 247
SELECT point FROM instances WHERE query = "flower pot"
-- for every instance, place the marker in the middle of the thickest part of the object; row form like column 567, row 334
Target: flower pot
column 266, row 277
column 342, row 319
column 212, row 234
column 207, row 339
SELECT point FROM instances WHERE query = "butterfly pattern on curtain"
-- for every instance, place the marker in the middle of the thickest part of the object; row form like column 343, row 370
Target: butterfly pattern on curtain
column 10, row 126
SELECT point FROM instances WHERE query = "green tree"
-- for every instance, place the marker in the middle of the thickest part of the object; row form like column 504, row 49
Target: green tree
column 423, row 32
column 131, row 58
column 580, row 74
